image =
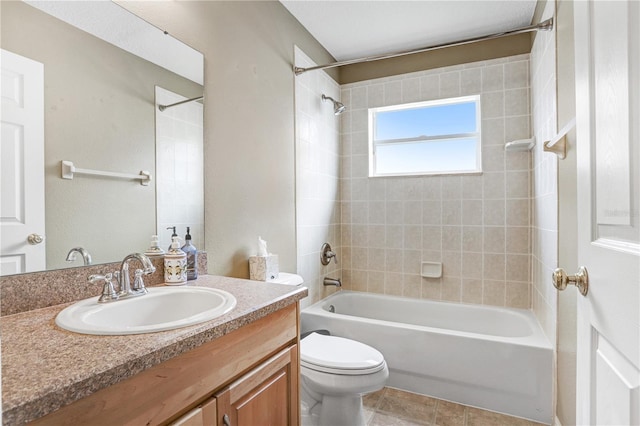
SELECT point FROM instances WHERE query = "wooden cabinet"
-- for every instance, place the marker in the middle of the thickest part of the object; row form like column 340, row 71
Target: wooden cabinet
column 250, row 374
column 202, row 415
column 263, row 396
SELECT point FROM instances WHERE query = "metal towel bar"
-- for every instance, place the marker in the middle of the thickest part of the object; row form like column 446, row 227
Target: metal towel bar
column 68, row 170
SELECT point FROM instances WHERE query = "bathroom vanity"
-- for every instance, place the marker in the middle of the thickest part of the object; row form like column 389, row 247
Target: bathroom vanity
column 234, row 370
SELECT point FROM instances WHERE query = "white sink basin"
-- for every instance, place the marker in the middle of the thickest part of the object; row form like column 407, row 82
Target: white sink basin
column 163, row 308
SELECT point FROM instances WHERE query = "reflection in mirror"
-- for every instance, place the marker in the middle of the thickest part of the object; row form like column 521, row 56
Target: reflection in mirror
column 100, row 112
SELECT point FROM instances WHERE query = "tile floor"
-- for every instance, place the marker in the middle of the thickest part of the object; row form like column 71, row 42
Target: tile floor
column 393, row 407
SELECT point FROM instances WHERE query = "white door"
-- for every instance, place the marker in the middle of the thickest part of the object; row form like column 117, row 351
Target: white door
column 607, row 37
column 21, row 164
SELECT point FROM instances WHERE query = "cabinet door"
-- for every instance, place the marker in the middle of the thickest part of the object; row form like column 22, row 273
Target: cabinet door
column 203, row 415
column 266, row 396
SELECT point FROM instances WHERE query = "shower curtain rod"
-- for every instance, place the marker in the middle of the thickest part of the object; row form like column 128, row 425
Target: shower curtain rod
column 544, row 26
column 163, row 107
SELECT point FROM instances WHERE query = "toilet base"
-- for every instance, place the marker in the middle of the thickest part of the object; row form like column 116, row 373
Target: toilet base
column 342, row 411
column 335, row 411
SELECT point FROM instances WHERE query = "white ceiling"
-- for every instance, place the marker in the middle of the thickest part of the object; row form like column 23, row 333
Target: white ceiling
column 354, row 29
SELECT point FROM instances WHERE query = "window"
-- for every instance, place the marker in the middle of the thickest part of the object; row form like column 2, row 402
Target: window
column 433, row 137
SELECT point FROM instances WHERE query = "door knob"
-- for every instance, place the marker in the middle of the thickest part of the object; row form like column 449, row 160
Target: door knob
column 34, row 239
column 580, row 280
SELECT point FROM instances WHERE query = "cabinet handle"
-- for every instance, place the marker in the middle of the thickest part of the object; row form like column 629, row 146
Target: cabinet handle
column 226, row 420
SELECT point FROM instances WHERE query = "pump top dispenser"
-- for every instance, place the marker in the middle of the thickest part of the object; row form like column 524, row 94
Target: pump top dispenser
column 192, row 256
column 173, row 234
column 175, row 264
column 154, row 247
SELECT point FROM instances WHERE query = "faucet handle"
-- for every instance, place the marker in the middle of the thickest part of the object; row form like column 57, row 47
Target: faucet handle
column 138, row 283
column 108, row 291
column 326, row 253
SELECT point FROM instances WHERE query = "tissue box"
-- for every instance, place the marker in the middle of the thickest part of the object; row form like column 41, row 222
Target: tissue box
column 263, row 268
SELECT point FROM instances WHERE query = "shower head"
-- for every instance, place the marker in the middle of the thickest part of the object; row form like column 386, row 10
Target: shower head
column 338, row 107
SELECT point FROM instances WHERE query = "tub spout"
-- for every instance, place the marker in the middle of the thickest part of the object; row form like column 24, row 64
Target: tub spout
column 332, row 281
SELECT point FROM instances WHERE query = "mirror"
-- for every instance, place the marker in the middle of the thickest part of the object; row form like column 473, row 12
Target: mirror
column 101, row 113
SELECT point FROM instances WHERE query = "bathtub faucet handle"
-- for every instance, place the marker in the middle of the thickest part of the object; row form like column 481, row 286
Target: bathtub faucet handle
column 326, row 253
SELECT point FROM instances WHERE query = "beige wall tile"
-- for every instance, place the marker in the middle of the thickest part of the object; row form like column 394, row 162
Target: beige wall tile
column 452, row 212
column 494, row 186
column 393, row 260
column 472, row 187
column 452, row 289
column 450, row 84
column 432, row 288
column 493, row 78
column 432, row 238
column 516, row 102
column 411, row 286
column 494, row 266
column 451, row 263
column 518, row 294
column 494, row 212
column 516, row 74
column 413, row 237
column 493, row 131
column 494, row 239
column 492, row 159
column 432, row 212
column 518, row 268
column 518, row 212
column 472, row 265
column 412, row 260
column 452, row 238
column 472, row 212
column 472, row 238
column 393, row 283
column 492, row 105
column 471, row 291
column 493, row 293
column 517, row 240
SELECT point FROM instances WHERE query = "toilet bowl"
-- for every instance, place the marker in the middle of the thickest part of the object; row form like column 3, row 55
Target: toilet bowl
column 335, row 374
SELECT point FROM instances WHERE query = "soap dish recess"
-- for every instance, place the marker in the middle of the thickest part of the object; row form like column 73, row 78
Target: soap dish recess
column 431, row 269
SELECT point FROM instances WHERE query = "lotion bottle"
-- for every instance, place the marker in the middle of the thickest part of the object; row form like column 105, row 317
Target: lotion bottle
column 175, row 264
column 192, row 257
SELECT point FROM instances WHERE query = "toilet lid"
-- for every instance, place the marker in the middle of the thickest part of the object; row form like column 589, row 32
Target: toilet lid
column 337, row 355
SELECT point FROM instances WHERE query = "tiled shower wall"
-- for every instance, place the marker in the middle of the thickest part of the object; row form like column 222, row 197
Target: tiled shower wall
column 478, row 226
column 317, row 180
column 179, row 169
column 545, row 182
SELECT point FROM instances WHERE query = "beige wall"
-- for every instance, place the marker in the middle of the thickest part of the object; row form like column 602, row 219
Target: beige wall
column 99, row 113
column 249, row 121
column 481, row 51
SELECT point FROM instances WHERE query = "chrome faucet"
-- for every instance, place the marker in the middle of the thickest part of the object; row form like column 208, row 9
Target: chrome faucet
column 125, row 290
column 123, row 276
column 71, row 256
column 332, row 281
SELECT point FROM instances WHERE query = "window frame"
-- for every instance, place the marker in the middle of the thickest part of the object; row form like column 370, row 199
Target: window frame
column 373, row 142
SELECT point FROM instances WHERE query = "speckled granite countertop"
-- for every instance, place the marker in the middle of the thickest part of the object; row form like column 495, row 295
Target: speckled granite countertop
column 45, row 367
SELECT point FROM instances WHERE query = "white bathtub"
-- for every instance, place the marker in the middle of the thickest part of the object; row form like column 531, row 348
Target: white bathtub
column 487, row 357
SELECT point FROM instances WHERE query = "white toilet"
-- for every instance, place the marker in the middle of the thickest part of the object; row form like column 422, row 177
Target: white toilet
column 335, row 373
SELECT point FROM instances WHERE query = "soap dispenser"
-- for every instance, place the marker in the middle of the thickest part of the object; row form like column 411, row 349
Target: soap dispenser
column 192, row 256
column 154, row 247
column 173, row 234
column 175, row 264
